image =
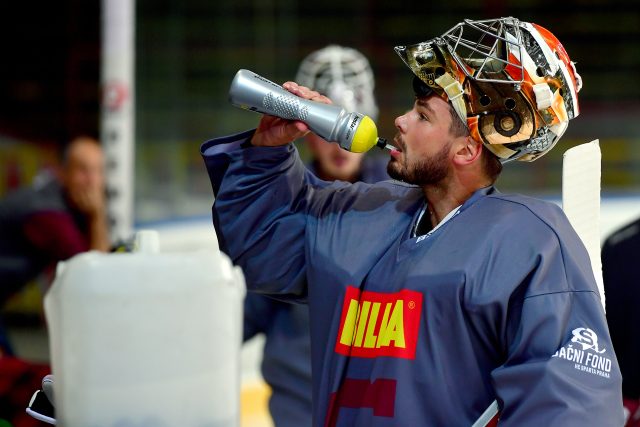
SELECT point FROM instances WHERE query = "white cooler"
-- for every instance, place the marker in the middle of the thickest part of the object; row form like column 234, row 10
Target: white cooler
column 146, row 339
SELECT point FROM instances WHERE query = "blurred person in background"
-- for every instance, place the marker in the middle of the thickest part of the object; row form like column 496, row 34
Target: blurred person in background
column 57, row 217
column 622, row 289
column 344, row 75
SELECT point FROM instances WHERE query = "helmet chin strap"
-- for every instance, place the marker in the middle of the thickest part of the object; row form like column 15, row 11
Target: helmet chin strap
column 454, row 92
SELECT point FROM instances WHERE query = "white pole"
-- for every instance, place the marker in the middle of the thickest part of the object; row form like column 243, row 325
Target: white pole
column 118, row 111
column 581, row 173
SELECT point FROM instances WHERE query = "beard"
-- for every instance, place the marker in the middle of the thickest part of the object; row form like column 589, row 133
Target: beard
column 421, row 172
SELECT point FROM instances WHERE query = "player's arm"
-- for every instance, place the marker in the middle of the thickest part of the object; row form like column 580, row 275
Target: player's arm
column 259, row 213
column 259, row 311
column 560, row 368
column 263, row 193
column 55, row 234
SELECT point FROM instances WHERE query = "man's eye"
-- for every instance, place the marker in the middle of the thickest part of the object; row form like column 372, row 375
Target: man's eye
column 422, row 116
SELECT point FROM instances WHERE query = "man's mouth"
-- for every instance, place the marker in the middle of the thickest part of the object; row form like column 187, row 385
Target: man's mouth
column 396, row 153
column 398, row 145
column 339, row 159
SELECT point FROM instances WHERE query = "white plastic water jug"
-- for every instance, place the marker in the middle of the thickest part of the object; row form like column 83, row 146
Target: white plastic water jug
column 146, row 339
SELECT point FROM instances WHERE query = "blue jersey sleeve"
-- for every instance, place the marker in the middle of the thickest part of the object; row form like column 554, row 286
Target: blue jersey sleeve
column 258, row 314
column 262, row 196
column 540, row 385
column 559, row 356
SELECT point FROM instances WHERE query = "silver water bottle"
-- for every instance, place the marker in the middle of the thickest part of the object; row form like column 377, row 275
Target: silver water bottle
column 353, row 131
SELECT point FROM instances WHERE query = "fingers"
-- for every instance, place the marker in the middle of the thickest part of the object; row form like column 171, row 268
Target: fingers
column 290, row 130
column 294, row 130
column 306, row 93
column 88, row 200
column 273, row 131
column 301, row 127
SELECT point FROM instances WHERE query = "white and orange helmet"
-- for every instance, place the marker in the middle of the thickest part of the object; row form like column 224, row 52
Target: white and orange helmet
column 512, row 82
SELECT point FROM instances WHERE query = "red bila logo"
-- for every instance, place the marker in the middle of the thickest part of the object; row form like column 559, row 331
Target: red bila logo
column 377, row 324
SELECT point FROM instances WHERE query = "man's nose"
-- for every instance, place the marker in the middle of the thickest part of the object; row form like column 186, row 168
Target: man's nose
column 401, row 122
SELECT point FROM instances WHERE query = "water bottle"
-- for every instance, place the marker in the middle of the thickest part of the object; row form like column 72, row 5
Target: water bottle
column 353, row 131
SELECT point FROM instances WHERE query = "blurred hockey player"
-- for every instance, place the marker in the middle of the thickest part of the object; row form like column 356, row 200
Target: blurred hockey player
column 343, row 74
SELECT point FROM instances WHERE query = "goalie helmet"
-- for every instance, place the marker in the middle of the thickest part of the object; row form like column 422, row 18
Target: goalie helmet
column 343, row 75
column 511, row 82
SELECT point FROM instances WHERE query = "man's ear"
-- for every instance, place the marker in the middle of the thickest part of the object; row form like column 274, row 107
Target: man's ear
column 468, row 151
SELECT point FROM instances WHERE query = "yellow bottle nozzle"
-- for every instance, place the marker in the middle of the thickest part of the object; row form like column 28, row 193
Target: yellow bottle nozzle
column 365, row 137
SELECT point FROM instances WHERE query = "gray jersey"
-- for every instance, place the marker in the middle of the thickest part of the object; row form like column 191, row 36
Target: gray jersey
column 500, row 302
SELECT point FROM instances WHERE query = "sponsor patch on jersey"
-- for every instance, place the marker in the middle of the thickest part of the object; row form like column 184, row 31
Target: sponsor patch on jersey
column 586, row 353
column 378, row 395
column 375, row 324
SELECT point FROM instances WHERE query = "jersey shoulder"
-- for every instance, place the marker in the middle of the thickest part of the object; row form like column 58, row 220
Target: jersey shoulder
column 527, row 211
column 539, row 230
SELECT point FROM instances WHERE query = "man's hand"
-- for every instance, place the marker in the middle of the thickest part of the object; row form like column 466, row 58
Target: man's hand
column 90, row 201
column 274, row 131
